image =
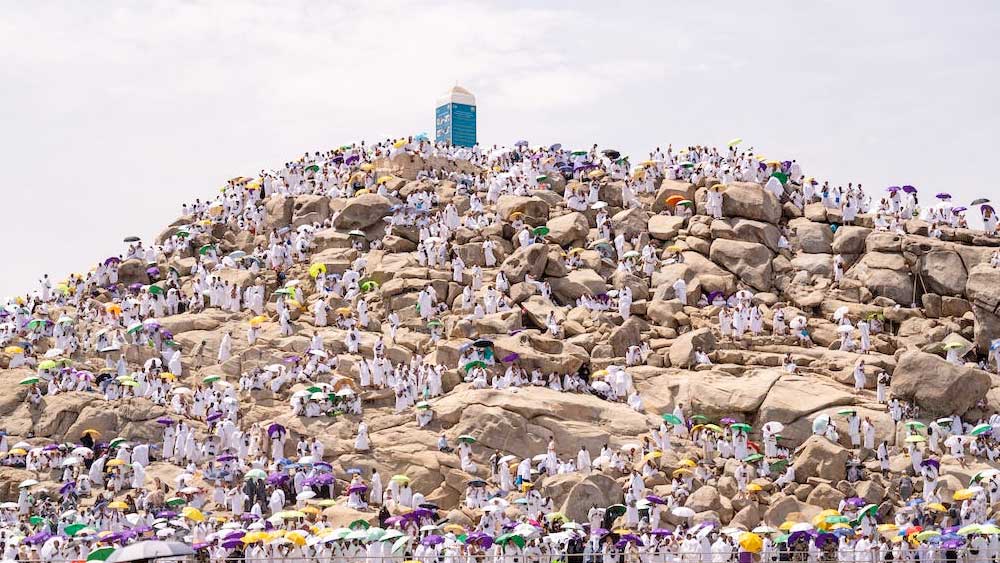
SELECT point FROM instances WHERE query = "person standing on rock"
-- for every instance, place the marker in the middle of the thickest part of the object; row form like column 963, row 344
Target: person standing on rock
column 854, row 428
column 680, row 290
column 225, row 348
column 859, row 376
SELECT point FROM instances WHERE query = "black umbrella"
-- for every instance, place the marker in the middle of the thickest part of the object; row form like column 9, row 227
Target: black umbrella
column 611, row 153
column 132, row 238
column 980, row 201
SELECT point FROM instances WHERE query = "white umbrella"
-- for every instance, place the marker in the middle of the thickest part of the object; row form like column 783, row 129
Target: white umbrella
column 181, row 391
column 682, row 512
column 150, row 550
column 773, row 427
column 845, row 329
column 70, row 461
column 27, row 483
column 840, row 312
column 305, row 495
column 507, row 458
column 307, row 460
column 802, row 527
column 54, row 352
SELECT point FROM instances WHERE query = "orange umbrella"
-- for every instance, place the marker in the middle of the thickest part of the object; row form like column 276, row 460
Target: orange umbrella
column 675, row 199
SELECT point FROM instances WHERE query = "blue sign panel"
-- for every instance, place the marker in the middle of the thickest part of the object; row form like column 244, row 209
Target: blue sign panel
column 463, row 125
column 442, row 127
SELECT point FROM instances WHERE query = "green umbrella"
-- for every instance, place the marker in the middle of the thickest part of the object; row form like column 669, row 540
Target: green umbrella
column 212, row 378
column 204, row 249
column 515, row 539
column 783, row 538
column 474, row 364
column 370, row 285
column 779, row 465
column 578, row 153
column 753, row 457
column 35, row 323
column 100, row 554
column 540, row 231
column 116, row 442
column 29, row 380
column 284, row 291
column 255, row 474
column 467, row 439
column 742, row 426
column 73, row 529
column 47, row 364
column 175, row 501
column 36, row 520
column 699, row 418
column 616, row 510
column 136, row 327
column 981, row 429
column 312, row 168
column 837, row 519
column 400, row 543
column 672, row 419
column 846, row 412
column 781, row 176
column 433, row 323
column 155, row 290
column 314, row 389
column 359, row 524
column 914, row 424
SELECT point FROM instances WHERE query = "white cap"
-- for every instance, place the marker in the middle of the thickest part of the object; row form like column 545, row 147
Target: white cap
column 457, row 95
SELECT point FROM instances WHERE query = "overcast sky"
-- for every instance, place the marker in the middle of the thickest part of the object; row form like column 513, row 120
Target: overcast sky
column 113, row 114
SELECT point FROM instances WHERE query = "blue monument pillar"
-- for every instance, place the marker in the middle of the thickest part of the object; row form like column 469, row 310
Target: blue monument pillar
column 455, row 118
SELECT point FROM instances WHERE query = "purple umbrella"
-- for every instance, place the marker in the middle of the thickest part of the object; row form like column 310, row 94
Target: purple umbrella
column 661, row 532
column 943, row 195
column 855, row 501
column 357, row 488
column 200, row 546
column 909, row 189
column 165, row 420
column 432, row 539
column 232, row 544
column 167, row 335
column 50, row 447
column 351, row 159
column 824, row 539
column 800, row 535
column 959, row 209
column 141, row 530
column 153, row 271
column 323, row 466
column 510, row 358
column 599, row 531
column 168, row 514
column 276, row 478
column 655, row 499
column 40, row 537
column 213, row 417
column 393, row 520
column 234, row 535
column 728, row 420
column 952, row 544
column 422, row 513
column 225, row 457
column 249, row 517
column 324, row 479
column 275, row 429
column 987, row 208
column 67, row 487
column 892, row 189
column 480, row 538
column 112, row 260
column 931, row 463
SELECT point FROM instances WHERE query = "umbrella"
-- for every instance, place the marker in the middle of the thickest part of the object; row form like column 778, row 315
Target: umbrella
column 734, row 142
column 131, row 238
column 100, row 554
column 465, row 438
column 820, row 423
column 979, row 201
column 149, row 550
column 682, row 512
column 751, row 542
column 943, row 195
column 981, row 429
column 672, row 419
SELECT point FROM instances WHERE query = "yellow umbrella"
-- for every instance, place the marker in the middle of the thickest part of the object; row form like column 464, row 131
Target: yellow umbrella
column 688, row 463
column 117, row 505
column 682, row 471
column 113, row 308
column 311, row 510
column 13, row 350
column 652, row 455
column 674, row 248
column 362, row 191
column 343, row 311
column 92, row 433
column 399, row 144
column 383, row 179
column 595, row 174
column 600, row 373
column 963, row 494
column 193, row 514
column 258, row 320
column 17, row 451
column 454, row 528
column 367, row 167
column 317, row 269
column 786, row 525
column 935, row 507
column 754, row 488
column 168, row 376
column 296, row 538
column 115, row 462
column 751, row 542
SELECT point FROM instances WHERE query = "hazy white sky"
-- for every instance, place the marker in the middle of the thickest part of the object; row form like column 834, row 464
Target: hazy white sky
column 114, row 113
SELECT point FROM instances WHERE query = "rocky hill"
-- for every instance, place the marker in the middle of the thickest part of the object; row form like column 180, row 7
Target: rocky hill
column 927, row 295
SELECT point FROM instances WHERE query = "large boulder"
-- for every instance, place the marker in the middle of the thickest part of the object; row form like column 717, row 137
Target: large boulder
column 814, row 238
column 534, row 209
column 567, row 228
column 578, row 283
column 886, row 275
column 673, row 187
column 665, row 227
column 133, row 271
column 362, row 212
column 683, row 349
column 576, row 493
column 850, row 239
column 937, row 386
column 631, row 222
column 750, row 261
column 744, row 199
column 983, row 291
column 278, row 211
column 716, row 395
column 819, row 457
column 943, row 272
column 529, row 259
